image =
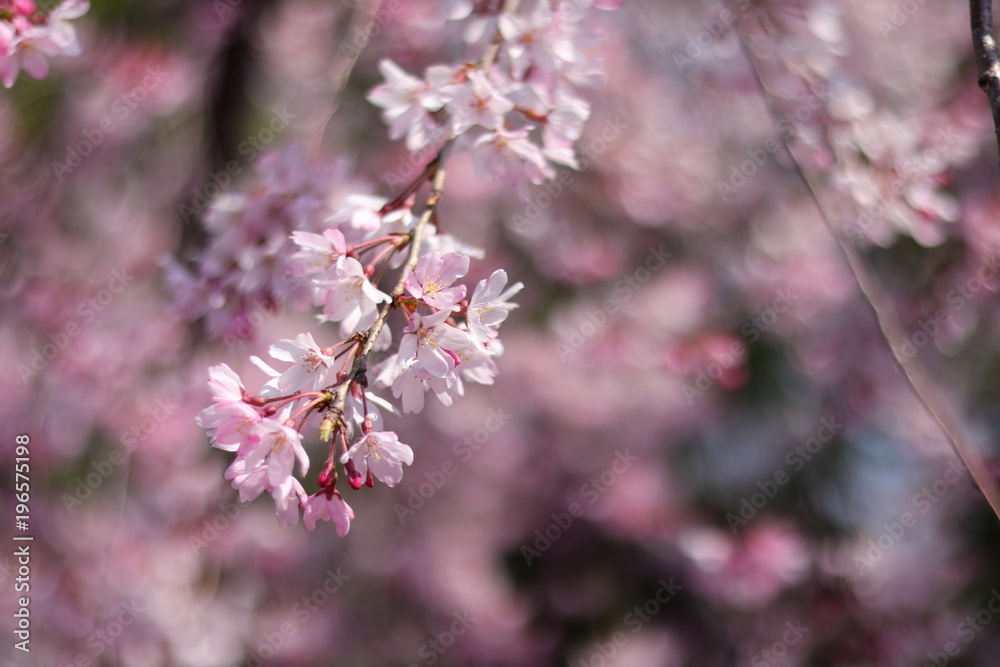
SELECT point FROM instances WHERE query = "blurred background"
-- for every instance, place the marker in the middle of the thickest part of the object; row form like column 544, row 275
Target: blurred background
column 698, row 450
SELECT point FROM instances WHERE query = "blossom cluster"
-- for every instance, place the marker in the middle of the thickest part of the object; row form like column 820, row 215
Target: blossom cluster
column 28, row 35
column 520, row 112
column 517, row 109
column 436, row 353
column 243, row 270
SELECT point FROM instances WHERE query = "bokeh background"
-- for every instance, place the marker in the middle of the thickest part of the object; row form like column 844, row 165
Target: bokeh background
column 698, row 450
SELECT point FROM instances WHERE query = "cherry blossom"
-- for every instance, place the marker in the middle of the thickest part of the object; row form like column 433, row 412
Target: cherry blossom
column 349, row 297
column 430, row 342
column 477, row 101
column 516, row 112
column 382, row 453
column 328, row 507
column 406, row 101
column 511, row 157
column 229, row 420
column 489, row 307
column 281, row 446
column 288, row 496
column 310, row 366
column 432, row 279
column 321, row 253
column 249, row 482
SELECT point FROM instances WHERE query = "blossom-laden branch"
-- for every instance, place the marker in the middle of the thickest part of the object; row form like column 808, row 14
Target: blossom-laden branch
column 516, row 110
column 984, row 43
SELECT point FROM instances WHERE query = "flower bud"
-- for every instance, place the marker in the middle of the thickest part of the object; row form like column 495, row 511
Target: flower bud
column 353, row 476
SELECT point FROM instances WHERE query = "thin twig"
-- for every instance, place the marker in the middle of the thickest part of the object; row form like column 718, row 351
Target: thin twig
column 358, row 19
column 892, row 332
column 359, row 368
column 985, row 45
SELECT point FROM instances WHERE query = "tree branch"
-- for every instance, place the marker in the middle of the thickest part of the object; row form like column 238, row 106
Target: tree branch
column 359, row 368
column 985, row 45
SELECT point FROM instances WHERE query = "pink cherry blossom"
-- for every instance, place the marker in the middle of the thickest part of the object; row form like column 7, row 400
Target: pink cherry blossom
column 509, row 156
column 410, row 381
column 537, row 39
column 382, row 453
column 24, row 43
column 288, row 495
column 409, row 384
column 229, row 420
column 322, row 507
column 61, row 36
column 429, row 341
column 563, row 127
column 319, row 254
column 311, row 369
column 250, row 482
column 433, row 276
column 489, row 307
column 406, row 102
column 476, row 101
column 349, row 297
column 280, row 446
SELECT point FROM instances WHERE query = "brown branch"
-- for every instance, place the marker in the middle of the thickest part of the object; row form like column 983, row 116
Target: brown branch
column 359, row 368
column 888, row 322
column 985, row 45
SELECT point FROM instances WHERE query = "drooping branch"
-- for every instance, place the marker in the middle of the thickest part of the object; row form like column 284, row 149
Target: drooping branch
column 887, row 319
column 985, row 45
